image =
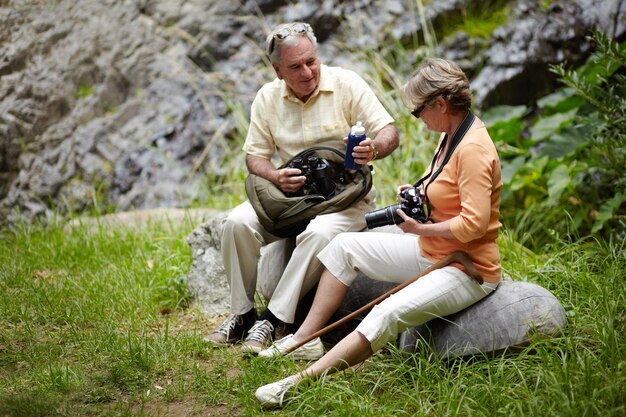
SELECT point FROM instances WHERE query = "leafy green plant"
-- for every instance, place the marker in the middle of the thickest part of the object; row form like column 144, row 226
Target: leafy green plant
column 479, row 19
column 85, row 91
column 564, row 163
column 602, row 83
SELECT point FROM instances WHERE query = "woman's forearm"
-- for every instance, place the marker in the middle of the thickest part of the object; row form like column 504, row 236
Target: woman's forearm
column 428, row 229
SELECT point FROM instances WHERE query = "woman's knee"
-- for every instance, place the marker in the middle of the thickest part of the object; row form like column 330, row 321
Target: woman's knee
column 386, row 315
column 380, row 326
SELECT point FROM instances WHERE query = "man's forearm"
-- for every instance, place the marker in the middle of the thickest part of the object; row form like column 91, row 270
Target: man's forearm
column 262, row 167
column 386, row 141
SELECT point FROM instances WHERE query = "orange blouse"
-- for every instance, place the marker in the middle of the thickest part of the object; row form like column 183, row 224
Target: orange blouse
column 467, row 192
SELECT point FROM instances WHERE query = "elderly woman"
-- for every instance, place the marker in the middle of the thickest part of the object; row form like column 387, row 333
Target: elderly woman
column 461, row 191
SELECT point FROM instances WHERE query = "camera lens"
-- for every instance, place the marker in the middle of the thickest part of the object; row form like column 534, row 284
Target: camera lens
column 383, row 217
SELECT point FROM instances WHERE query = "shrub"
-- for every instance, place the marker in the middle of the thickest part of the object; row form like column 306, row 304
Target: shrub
column 563, row 162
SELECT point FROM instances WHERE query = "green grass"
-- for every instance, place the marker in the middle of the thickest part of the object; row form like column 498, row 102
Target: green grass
column 98, row 323
column 480, row 21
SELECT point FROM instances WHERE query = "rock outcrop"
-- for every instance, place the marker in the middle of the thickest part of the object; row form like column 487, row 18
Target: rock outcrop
column 133, row 104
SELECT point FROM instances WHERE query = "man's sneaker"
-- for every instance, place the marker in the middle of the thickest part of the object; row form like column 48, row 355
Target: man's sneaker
column 259, row 336
column 310, row 351
column 231, row 331
column 273, row 395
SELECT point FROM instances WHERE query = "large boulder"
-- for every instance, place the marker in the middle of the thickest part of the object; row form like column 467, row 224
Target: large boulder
column 505, row 320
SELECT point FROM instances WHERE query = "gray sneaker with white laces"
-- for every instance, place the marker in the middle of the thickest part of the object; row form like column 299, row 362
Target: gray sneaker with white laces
column 310, row 351
column 273, row 395
column 259, row 336
column 231, row 331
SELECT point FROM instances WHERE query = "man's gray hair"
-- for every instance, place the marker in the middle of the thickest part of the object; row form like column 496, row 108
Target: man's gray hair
column 273, row 45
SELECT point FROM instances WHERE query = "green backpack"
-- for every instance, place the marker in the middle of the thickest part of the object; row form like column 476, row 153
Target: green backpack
column 329, row 188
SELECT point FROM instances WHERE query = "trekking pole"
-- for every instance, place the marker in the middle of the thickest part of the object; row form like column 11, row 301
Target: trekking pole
column 457, row 256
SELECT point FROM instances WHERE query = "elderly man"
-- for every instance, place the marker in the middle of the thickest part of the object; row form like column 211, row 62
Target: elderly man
column 308, row 104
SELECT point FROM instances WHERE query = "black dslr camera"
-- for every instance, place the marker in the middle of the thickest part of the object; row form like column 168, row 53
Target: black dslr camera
column 412, row 205
column 318, row 173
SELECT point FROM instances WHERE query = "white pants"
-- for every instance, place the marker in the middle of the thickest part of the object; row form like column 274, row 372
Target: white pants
column 396, row 258
column 243, row 237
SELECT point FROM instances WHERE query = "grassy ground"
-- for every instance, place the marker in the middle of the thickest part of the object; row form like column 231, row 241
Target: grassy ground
column 97, row 322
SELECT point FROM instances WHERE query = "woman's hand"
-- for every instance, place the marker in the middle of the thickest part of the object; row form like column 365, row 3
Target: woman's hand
column 399, row 191
column 409, row 225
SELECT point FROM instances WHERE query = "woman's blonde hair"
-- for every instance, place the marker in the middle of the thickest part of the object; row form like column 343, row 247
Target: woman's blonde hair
column 438, row 77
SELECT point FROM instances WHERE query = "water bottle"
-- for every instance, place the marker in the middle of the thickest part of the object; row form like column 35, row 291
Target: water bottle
column 356, row 136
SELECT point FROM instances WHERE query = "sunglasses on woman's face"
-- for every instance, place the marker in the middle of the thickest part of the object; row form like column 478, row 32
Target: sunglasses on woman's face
column 417, row 112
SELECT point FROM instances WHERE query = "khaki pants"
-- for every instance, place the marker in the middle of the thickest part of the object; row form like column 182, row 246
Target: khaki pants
column 243, row 237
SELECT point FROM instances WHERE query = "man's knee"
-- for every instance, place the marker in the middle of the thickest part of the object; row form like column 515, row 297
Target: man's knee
column 239, row 219
column 319, row 233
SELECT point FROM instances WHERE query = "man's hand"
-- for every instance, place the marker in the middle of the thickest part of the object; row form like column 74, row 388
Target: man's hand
column 385, row 141
column 290, row 180
column 364, row 152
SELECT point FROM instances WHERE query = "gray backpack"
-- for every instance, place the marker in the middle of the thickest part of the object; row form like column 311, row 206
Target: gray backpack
column 329, row 188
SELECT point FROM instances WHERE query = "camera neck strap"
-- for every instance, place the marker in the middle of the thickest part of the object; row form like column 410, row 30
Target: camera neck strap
column 457, row 136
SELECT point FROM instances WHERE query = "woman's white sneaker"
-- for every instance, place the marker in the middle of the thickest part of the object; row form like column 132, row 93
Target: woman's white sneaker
column 310, row 351
column 273, row 395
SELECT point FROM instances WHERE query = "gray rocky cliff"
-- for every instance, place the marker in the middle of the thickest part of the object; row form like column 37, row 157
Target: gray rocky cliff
column 132, row 104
